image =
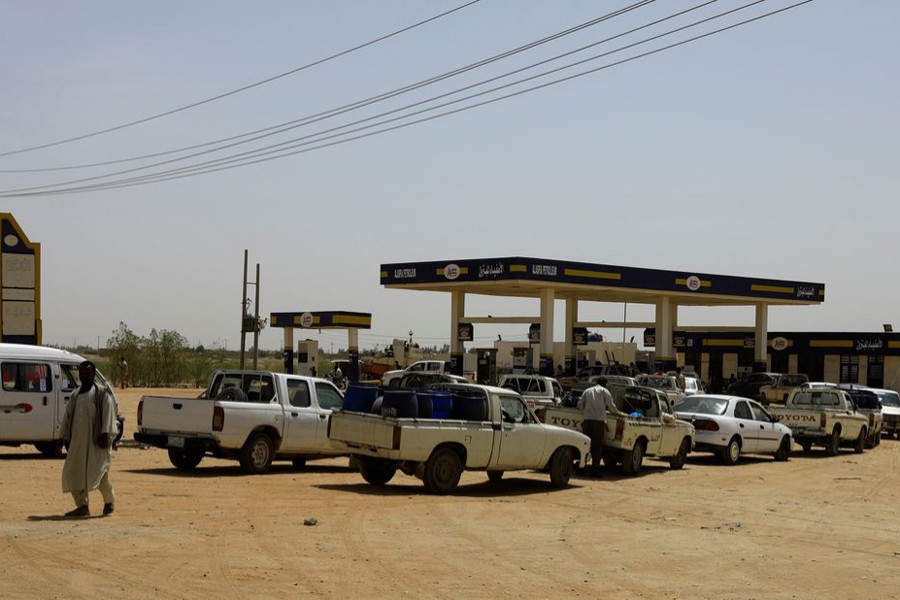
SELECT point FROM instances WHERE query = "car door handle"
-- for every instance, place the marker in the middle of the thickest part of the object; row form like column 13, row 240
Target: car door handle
column 293, row 414
column 741, row 425
column 323, row 417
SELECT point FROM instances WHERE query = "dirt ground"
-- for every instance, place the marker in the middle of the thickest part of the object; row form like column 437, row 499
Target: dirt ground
column 813, row 527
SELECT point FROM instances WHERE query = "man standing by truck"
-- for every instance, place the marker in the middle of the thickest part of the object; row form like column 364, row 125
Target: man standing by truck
column 89, row 428
column 595, row 401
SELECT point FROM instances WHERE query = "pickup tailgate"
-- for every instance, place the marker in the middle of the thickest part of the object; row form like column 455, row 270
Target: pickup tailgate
column 362, row 431
column 799, row 420
column 176, row 415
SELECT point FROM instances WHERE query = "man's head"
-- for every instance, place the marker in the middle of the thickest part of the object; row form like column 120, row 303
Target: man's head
column 678, row 370
column 86, row 372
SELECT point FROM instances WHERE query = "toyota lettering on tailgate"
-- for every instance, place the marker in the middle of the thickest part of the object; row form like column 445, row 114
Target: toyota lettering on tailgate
column 565, row 422
column 800, row 418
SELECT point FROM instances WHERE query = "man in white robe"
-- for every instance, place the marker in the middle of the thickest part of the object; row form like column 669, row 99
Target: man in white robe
column 88, row 429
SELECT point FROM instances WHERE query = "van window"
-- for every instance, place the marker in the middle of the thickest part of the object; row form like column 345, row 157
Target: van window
column 69, row 377
column 26, row 377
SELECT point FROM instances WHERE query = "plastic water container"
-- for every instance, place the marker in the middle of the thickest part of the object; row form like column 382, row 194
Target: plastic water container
column 400, row 403
column 359, row 397
column 425, row 404
column 469, row 407
column 441, row 405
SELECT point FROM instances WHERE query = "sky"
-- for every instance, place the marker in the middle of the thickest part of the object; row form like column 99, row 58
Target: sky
column 767, row 150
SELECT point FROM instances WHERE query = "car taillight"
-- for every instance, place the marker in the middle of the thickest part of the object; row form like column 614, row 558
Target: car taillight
column 706, row 425
column 140, row 415
column 218, row 418
column 822, row 420
column 396, row 441
column 620, row 428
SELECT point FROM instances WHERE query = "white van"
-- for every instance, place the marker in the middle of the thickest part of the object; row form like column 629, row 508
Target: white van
column 37, row 383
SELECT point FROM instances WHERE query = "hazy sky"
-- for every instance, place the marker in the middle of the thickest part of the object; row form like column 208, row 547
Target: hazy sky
column 768, row 150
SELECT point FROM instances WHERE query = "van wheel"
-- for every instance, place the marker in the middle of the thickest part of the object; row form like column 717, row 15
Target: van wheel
column 731, row 454
column 562, row 464
column 784, row 450
column 185, row 460
column 860, row 445
column 256, row 455
column 495, row 476
column 442, row 471
column 677, row 462
column 833, row 445
column 633, row 459
column 376, row 472
column 54, row 449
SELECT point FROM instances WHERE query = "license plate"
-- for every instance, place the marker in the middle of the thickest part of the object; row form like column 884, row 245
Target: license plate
column 176, row 441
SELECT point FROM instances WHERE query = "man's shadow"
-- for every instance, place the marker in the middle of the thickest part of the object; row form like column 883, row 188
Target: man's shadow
column 63, row 518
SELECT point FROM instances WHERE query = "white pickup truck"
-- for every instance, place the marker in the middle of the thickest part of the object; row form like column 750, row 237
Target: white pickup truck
column 254, row 416
column 490, row 429
column 823, row 416
column 644, row 427
column 392, row 378
column 537, row 390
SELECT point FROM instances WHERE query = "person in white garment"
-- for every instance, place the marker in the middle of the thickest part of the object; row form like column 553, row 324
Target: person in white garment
column 88, row 429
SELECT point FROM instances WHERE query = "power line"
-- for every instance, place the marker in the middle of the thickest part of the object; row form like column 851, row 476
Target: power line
column 307, row 120
column 202, row 169
column 240, row 89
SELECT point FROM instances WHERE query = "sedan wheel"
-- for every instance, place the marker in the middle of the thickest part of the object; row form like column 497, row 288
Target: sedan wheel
column 731, row 454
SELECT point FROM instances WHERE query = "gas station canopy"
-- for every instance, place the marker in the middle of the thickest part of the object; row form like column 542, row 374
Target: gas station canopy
column 526, row 277
column 550, row 280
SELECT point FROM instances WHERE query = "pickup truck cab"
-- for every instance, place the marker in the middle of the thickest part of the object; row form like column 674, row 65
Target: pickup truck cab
column 779, row 390
column 537, row 390
column 890, row 409
column 643, row 427
column 825, row 417
column 667, row 384
column 253, row 416
column 868, row 404
column 391, row 378
column 37, row 385
column 491, row 429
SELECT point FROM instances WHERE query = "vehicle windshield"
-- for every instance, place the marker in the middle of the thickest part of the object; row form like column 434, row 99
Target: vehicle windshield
column 889, row 398
column 704, row 405
column 661, row 383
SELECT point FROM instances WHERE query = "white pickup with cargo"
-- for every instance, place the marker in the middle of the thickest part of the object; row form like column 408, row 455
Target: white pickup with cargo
column 643, row 427
column 253, row 416
column 824, row 417
column 489, row 429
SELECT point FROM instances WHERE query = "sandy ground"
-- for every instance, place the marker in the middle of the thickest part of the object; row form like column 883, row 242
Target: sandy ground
column 814, row 527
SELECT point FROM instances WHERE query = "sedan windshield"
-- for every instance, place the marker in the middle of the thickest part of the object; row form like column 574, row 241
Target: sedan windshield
column 704, row 405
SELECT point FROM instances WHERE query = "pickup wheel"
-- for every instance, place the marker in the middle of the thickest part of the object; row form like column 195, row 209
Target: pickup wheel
column 731, row 454
column 833, row 444
column 256, row 455
column 375, row 472
column 442, row 471
column 495, row 476
column 633, row 459
column 54, row 449
column 763, row 400
column 185, row 460
column 784, row 449
column 860, row 446
column 677, row 462
column 562, row 465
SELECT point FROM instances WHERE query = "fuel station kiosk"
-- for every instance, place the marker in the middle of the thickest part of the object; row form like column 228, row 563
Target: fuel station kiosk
column 308, row 350
column 575, row 282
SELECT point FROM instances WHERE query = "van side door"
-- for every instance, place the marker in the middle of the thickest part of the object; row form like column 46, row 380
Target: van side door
column 28, row 402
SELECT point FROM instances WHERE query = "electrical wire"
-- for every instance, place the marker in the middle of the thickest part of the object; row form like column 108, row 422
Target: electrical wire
column 240, row 89
column 302, row 121
column 178, row 174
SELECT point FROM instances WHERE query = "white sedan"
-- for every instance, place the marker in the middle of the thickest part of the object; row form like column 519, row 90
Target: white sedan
column 730, row 425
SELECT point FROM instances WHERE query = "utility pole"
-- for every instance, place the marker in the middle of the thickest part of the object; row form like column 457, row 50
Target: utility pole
column 243, row 310
column 250, row 322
